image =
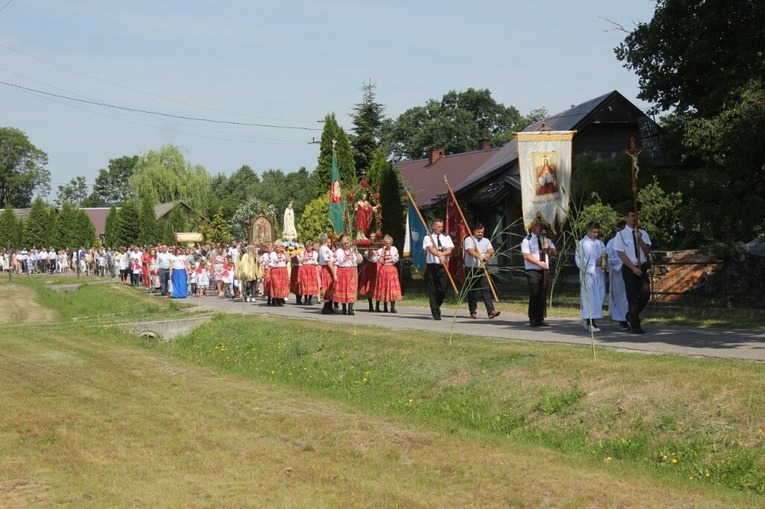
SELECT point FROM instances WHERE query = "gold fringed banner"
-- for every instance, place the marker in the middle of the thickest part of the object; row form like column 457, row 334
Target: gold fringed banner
column 544, row 160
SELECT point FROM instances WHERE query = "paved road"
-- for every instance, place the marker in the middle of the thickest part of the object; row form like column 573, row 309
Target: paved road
column 742, row 344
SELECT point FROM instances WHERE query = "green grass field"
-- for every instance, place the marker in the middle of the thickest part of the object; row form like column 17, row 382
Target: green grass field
column 265, row 412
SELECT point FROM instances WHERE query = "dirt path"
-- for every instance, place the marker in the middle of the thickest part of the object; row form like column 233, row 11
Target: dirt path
column 18, row 305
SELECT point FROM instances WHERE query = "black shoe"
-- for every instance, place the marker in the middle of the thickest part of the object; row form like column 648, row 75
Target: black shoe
column 624, row 326
column 393, row 307
column 539, row 323
column 637, row 330
column 436, row 317
column 350, row 309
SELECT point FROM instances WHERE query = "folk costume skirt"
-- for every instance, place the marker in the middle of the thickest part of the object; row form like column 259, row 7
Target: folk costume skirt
column 308, row 279
column 180, row 290
column 368, row 279
column 280, row 284
column 346, row 285
column 388, row 287
column 327, row 282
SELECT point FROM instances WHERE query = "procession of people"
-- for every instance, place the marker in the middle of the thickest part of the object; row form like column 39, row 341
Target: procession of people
column 342, row 273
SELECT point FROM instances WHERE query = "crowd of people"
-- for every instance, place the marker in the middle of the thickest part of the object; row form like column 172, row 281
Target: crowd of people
column 329, row 272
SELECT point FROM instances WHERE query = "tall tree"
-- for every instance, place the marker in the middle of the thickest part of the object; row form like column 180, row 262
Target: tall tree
column 456, row 123
column 11, row 228
column 111, row 234
column 714, row 87
column 22, row 169
column 166, row 176
column 392, row 204
column 345, row 163
column 230, row 192
column 149, row 230
column 112, row 186
column 367, row 128
column 126, row 231
column 85, row 232
column 64, row 228
column 682, row 70
column 75, row 192
column 37, row 225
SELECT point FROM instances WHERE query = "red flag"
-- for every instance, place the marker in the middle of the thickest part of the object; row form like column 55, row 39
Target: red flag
column 457, row 230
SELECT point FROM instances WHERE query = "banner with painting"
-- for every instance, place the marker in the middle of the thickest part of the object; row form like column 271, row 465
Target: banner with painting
column 544, row 159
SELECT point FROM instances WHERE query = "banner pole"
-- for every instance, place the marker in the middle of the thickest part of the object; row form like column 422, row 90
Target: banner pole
column 432, row 240
column 470, row 233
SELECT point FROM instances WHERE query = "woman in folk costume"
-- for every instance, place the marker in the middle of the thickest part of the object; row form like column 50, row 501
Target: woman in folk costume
column 388, row 288
column 592, row 261
column 368, row 279
column 308, row 273
column 280, row 283
column 178, row 275
column 347, row 260
column 328, row 272
column 293, row 269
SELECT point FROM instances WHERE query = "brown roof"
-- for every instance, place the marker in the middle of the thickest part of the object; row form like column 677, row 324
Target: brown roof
column 98, row 218
column 426, row 181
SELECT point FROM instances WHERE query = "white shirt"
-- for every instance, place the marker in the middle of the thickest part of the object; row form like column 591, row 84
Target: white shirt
column 530, row 245
column 446, row 243
column 387, row 255
column 588, row 255
column 483, row 246
column 625, row 242
column 325, row 255
column 345, row 258
column 163, row 260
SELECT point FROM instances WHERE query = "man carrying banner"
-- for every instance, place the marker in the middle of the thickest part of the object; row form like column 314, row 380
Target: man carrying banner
column 478, row 251
column 536, row 249
column 438, row 247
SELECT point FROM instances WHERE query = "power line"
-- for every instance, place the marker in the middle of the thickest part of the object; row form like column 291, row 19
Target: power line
column 137, row 90
column 136, row 110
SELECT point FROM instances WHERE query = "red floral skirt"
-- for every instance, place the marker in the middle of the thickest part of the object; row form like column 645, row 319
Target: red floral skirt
column 266, row 282
column 347, row 284
column 294, row 288
column 327, row 283
column 368, row 279
column 388, row 287
column 308, row 280
column 280, row 283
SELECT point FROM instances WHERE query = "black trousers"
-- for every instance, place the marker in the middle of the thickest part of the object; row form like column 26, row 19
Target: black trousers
column 478, row 284
column 436, row 283
column 638, row 289
column 164, row 277
column 536, row 295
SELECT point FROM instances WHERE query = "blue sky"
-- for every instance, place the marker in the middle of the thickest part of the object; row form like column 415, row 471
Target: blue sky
column 282, row 63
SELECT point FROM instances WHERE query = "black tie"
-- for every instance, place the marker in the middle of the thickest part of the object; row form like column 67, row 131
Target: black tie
column 438, row 241
column 539, row 241
column 637, row 246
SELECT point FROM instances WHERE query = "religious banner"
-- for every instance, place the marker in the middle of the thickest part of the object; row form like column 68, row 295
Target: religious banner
column 336, row 205
column 415, row 234
column 456, row 228
column 544, row 159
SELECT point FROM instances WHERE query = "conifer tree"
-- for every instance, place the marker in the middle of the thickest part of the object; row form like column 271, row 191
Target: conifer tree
column 64, row 228
column 37, row 226
column 11, row 228
column 110, row 228
column 148, row 226
column 84, row 233
column 127, row 224
column 344, row 154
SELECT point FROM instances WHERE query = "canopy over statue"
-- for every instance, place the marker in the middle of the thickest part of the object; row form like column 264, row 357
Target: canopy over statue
column 368, row 214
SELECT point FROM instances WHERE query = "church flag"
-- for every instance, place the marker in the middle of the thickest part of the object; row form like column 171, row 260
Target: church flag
column 544, row 159
column 456, row 228
column 415, row 234
column 336, row 205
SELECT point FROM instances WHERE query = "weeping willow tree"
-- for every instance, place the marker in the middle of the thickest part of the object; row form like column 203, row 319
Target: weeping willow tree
column 164, row 175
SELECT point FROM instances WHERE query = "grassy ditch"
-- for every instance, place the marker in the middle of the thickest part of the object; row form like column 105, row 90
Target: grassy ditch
column 262, row 411
column 695, row 419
